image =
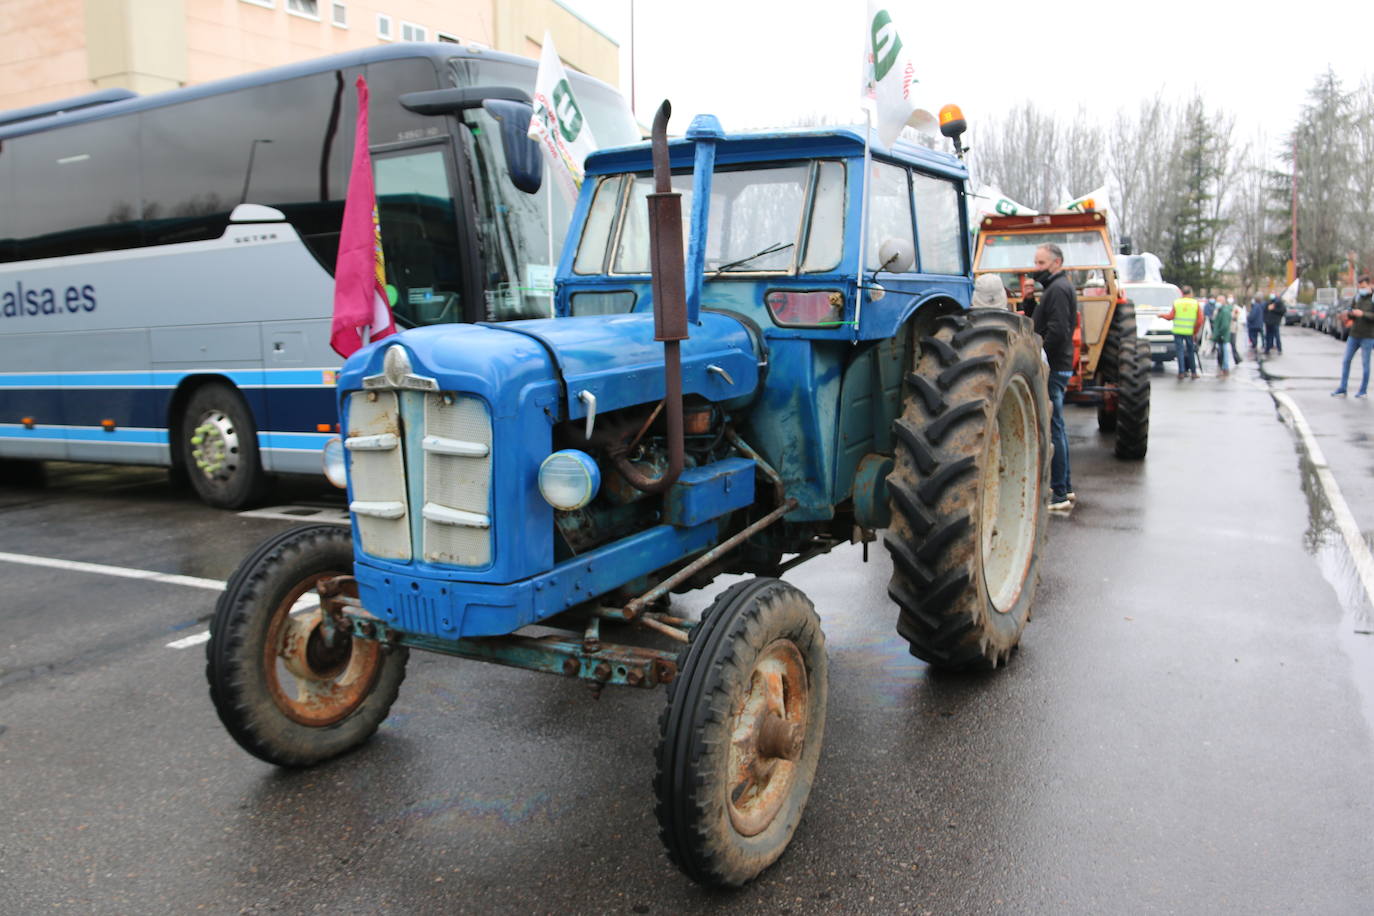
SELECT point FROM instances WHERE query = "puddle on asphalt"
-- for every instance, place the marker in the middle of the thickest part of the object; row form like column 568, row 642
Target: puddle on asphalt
column 1324, row 543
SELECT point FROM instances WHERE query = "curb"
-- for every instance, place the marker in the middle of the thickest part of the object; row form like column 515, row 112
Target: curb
column 1349, row 528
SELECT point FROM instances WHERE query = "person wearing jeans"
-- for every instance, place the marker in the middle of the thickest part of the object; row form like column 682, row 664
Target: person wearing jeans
column 1187, row 318
column 1060, row 486
column 1361, row 338
column 1055, row 317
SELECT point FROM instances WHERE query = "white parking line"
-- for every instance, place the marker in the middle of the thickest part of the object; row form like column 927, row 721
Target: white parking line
column 1345, row 519
column 120, row 571
column 190, row 641
column 306, row 602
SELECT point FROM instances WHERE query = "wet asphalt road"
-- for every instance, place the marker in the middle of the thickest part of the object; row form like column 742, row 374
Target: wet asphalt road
column 1188, row 727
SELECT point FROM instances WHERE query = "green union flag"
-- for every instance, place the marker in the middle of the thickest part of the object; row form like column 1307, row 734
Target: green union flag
column 557, row 123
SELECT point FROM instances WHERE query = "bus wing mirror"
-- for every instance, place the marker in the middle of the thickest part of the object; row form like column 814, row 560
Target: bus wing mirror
column 452, row 101
column 524, row 158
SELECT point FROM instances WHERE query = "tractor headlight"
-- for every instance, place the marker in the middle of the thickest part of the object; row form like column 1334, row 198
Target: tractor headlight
column 569, row 479
column 333, row 459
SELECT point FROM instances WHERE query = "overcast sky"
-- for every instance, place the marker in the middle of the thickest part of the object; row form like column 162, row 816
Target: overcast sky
column 763, row 62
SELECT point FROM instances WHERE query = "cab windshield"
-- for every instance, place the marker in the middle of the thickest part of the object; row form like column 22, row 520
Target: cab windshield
column 1017, row 251
column 775, row 220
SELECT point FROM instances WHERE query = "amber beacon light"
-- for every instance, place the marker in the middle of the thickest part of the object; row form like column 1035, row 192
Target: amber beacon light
column 952, row 125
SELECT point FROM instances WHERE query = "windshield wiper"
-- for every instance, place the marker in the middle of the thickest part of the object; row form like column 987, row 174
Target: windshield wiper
column 780, row 246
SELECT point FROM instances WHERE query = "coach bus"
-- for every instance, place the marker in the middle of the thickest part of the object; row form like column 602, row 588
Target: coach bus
column 166, row 260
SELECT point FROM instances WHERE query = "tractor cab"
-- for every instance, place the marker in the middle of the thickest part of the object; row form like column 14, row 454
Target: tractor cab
column 1111, row 364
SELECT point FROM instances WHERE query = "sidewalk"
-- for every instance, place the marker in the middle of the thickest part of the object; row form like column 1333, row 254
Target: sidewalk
column 1308, row 371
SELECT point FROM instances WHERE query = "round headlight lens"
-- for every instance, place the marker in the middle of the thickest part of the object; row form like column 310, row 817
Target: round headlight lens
column 333, row 459
column 569, row 479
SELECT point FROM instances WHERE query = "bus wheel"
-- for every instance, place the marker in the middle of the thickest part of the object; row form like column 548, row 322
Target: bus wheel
column 220, row 448
column 282, row 692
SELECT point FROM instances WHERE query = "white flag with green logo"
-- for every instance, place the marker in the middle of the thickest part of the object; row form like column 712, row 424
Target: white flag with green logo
column 1095, row 199
column 890, row 77
column 990, row 201
column 557, row 123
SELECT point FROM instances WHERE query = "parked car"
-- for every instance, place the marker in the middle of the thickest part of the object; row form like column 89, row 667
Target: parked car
column 1296, row 314
column 1152, row 300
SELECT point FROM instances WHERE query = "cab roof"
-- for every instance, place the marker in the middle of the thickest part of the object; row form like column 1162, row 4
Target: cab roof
column 776, row 146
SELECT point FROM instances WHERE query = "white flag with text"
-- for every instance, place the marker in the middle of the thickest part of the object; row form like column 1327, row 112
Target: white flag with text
column 890, row 77
column 557, row 123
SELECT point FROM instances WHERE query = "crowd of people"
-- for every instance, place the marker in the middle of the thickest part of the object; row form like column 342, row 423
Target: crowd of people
column 1219, row 319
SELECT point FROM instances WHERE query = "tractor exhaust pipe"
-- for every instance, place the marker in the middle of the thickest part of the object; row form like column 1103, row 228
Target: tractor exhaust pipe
column 670, row 304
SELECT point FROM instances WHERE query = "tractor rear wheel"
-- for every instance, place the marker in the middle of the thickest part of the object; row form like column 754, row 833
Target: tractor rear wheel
column 1133, row 403
column 968, row 489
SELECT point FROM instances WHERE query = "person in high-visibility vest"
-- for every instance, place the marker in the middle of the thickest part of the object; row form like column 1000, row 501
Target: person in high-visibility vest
column 1187, row 318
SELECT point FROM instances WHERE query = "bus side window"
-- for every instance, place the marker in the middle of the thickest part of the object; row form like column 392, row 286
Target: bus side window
column 8, row 221
column 286, row 145
column 80, row 189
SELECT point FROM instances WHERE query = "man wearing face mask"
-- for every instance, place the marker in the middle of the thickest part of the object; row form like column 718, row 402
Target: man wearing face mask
column 1361, row 318
column 1055, row 317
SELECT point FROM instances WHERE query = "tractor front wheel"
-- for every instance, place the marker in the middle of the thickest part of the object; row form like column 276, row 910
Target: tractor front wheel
column 283, row 692
column 741, row 735
column 968, row 489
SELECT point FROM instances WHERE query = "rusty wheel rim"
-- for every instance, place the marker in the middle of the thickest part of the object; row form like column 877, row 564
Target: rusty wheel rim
column 1011, row 491
column 311, row 684
column 767, row 737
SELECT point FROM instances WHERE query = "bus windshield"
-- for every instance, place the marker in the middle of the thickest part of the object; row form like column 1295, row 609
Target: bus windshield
column 521, row 234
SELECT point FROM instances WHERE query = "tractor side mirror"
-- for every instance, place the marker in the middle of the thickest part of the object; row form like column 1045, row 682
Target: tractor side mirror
column 895, row 256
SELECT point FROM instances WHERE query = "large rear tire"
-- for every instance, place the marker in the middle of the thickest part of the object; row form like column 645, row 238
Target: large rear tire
column 968, row 489
column 1133, row 404
column 741, row 735
column 283, row 694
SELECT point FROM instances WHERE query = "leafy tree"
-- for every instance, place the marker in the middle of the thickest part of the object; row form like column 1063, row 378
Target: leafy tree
column 1197, row 226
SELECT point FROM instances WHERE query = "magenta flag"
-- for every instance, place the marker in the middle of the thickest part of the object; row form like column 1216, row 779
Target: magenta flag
column 362, row 312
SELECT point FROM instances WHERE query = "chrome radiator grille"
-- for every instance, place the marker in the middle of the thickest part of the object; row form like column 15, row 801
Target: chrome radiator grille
column 425, row 446
column 377, row 473
column 457, row 469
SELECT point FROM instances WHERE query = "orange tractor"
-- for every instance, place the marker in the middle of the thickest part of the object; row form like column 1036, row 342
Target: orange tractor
column 1112, row 364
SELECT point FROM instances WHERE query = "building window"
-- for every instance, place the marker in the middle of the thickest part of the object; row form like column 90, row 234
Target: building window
column 310, row 9
column 384, row 26
column 446, row 37
column 340, row 15
column 270, row 4
column 412, row 32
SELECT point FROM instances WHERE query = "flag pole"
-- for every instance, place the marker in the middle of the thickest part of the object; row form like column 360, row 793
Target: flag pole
column 548, row 219
column 863, row 220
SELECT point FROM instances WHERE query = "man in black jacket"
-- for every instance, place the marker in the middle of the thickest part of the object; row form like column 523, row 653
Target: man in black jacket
column 1055, row 317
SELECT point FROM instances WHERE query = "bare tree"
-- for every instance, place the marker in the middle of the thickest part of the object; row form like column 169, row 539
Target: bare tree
column 1020, row 154
column 1248, row 215
column 1143, row 167
column 1082, row 156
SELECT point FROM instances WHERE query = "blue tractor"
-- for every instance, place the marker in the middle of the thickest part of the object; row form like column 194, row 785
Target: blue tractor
column 806, row 373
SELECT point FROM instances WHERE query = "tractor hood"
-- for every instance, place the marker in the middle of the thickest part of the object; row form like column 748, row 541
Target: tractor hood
column 612, row 358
